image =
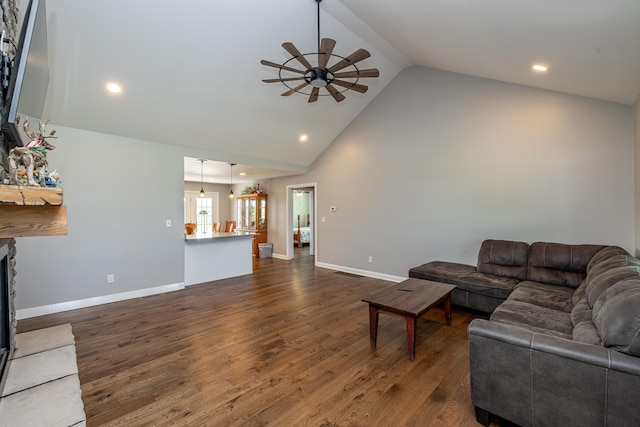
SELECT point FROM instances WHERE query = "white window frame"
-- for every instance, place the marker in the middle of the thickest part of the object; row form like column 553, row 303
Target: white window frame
column 191, row 209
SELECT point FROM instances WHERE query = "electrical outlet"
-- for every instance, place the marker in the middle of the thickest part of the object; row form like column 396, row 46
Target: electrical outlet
column 370, row 258
column 323, row 219
column 168, row 223
column 111, row 278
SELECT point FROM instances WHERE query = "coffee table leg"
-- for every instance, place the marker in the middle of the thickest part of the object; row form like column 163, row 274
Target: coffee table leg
column 373, row 323
column 411, row 335
column 447, row 309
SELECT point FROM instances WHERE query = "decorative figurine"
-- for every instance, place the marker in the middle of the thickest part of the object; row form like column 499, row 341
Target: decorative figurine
column 32, row 157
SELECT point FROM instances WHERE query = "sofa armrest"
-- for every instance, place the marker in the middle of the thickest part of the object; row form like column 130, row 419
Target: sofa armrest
column 536, row 379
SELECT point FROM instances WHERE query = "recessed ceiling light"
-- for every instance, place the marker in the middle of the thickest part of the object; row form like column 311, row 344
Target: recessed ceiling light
column 539, row 67
column 243, row 174
column 303, row 138
column 113, row 88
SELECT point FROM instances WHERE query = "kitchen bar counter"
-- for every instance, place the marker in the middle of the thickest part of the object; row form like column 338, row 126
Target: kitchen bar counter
column 217, row 255
column 216, row 235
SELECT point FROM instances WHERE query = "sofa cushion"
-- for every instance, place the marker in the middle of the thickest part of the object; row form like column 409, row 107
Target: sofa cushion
column 560, row 264
column 441, row 271
column 612, row 262
column 604, row 254
column 598, row 284
column 579, row 293
column 587, row 333
column 534, row 318
column 582, row 319
column 581, row 312
column 549, row 296
column 504, row 258
column 486, row 284
column 616, row 315
column 466, row 278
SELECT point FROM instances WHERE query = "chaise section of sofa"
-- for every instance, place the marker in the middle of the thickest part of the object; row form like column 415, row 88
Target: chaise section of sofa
column 502, row 264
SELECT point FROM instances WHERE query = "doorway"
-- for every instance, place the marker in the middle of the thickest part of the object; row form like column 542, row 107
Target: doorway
column 301, row 220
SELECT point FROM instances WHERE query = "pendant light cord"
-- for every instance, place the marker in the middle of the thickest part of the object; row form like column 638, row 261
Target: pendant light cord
column 201, row 177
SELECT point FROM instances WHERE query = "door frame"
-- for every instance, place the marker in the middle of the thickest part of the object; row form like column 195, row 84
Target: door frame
column 313, row 240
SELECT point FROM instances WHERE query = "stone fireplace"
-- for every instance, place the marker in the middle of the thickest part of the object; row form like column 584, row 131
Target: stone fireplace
column 7, row 307
column 9, row 25
column 35, row 388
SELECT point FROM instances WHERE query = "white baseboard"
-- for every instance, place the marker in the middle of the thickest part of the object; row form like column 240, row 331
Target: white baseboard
column 279, row 256
column 365, row 273
column 26, row 313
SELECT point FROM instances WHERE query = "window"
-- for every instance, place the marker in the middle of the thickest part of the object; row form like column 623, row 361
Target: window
column 204, row 211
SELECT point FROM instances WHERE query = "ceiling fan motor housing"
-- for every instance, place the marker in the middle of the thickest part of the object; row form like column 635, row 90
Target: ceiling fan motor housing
column 318, row 77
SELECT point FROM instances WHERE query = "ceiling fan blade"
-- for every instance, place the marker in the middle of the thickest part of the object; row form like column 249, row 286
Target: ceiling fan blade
column 295, row 89
column 288, row 79
column 334, row 92
column 274, row 65
column 289, row 47
column 314, row 94
column 371, row 72
column 354, row 86
column 326, row 47
column 356, row 56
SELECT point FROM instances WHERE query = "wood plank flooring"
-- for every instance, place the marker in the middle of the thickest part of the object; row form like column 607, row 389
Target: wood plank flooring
column 286, row 346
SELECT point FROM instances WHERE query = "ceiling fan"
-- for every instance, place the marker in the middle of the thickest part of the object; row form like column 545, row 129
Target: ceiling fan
column 326, row 74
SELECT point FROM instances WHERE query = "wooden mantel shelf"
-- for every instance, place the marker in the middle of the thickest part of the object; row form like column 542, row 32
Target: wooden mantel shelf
column 31, row 211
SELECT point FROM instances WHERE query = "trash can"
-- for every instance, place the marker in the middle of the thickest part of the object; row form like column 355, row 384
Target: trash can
column 265, row 250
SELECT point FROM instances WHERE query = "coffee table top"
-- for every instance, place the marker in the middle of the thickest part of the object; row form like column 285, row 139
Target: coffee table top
column 412, row 296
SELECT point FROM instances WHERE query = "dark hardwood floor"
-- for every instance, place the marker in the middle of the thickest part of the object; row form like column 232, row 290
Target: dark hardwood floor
column 286, row 346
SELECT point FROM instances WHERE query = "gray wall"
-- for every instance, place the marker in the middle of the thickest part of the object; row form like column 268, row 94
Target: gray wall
column 440, row 161
column 118, row 192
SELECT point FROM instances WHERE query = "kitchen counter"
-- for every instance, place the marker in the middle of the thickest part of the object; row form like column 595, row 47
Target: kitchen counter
column 217, row 255
column 216, row 235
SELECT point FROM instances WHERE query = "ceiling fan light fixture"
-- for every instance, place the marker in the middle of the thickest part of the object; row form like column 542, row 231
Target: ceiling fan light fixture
column 322, row 75
column 318, row 82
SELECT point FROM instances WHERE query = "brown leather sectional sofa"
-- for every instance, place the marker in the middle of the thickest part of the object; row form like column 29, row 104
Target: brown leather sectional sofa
column 562, row 346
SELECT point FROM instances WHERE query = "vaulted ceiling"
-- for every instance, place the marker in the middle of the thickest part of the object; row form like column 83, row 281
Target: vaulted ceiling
column 191, row 75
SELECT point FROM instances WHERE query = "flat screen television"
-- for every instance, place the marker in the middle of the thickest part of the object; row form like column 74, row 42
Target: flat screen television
column 29, row 79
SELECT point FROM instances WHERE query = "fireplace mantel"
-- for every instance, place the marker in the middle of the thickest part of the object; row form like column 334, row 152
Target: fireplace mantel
column 32, row 211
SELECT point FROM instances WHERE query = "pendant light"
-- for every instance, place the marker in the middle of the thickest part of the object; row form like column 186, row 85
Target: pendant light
column 201, row 176
column 231, row 165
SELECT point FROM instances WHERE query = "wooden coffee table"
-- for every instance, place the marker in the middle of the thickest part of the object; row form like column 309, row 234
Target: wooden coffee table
column 411, row 298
